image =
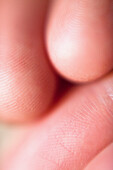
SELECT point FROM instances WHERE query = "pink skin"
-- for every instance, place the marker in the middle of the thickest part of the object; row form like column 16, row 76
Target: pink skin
column 77, row 124
column 80, row 38
column 104, row 161
column 26, row 77
column 73, row 133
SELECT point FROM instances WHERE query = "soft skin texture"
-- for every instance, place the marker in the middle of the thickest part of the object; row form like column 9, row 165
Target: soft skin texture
column 26, row 77
column 104, row 161
column 74, row 132
column 48, row 123
column 80, row 38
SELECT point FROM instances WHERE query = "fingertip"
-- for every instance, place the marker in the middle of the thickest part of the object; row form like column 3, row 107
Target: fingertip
column 80, row 42
column 27, row 81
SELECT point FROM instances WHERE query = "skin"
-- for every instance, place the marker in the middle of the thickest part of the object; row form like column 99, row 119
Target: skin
column 103, row 161
column 26, row 77
column 48, row 122
column 80, row 38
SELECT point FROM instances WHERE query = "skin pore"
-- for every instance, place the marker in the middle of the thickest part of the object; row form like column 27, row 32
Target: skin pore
column 56, row 84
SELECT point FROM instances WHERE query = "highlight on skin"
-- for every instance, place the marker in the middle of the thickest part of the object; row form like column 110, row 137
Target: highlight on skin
column 79, row 124
column 67, row 137
column 79, row 38
column 27, row 79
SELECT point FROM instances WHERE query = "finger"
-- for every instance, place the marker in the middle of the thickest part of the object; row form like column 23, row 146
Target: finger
column 79, row 128
column 27, row 82
column 104, row 161
column 80, row 38
column 10, row 137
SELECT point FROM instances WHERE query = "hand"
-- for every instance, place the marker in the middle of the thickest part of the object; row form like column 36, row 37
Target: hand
column 57, row 124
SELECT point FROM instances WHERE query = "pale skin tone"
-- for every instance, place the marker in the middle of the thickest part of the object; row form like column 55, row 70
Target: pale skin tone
column 50, row 123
